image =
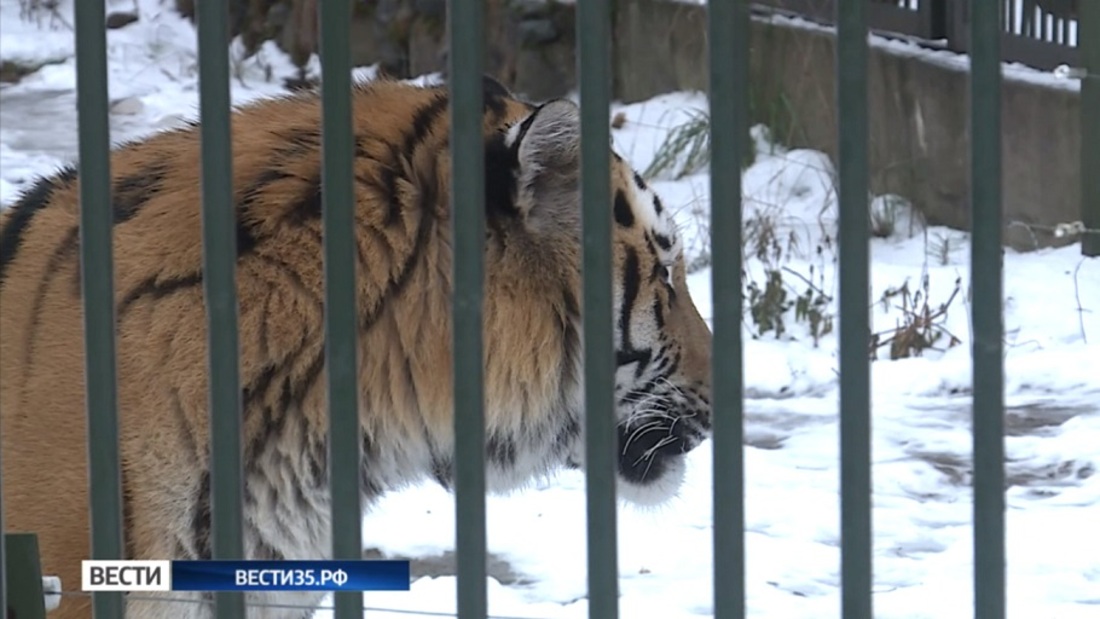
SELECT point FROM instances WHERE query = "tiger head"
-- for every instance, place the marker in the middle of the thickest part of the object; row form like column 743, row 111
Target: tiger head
column 662, row 345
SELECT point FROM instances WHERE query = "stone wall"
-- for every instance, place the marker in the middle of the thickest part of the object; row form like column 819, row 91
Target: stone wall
column 529, row 43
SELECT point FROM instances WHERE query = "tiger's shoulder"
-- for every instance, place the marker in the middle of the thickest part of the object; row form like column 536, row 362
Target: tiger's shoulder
column 276, row 167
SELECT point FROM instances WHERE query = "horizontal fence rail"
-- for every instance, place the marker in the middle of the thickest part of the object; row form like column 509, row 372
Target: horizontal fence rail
column 1039, row 33
column 917, row 18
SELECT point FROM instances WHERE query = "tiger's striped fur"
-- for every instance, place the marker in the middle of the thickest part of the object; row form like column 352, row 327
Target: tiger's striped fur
column 532, row 329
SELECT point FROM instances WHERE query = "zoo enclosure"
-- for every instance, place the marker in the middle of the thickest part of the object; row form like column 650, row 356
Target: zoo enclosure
column 728, row 47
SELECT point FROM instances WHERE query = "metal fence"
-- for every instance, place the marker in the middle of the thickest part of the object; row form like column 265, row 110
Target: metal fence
column 1039, row 33
column 917, row 18
column 728, row 42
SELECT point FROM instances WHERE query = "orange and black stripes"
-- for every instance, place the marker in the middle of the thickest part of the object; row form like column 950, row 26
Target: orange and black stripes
column 403, row 227
column 16, row 224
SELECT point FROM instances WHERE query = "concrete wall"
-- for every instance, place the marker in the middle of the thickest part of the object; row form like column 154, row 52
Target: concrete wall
column 919, row 113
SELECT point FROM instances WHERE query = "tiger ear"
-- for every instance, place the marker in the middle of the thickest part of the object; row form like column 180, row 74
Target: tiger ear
column 547, row 145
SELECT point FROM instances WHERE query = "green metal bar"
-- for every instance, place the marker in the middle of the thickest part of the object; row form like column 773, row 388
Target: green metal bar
column 25, row 574
column 855, row 380
column 1088, row 36
column 466, row 32
column 341, row 341
column 594, row 77
column 3, row 548
column 97, row 288
column 728, row 38
column 986, row 311
column 219, row 242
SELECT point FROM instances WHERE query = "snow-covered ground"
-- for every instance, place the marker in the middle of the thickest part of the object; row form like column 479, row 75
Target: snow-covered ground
column 922, row 445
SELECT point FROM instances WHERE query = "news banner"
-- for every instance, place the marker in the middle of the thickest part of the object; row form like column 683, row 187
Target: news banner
column 365, row 575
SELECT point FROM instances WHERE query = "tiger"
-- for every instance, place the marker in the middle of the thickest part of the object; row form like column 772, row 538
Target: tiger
column 532, row 353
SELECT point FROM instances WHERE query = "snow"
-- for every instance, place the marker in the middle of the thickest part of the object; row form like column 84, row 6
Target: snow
column 921, row 429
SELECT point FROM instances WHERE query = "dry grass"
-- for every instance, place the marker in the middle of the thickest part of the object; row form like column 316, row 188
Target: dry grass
column 40, row 10
column 685, row 150
column 921, row 326
column 783, row 296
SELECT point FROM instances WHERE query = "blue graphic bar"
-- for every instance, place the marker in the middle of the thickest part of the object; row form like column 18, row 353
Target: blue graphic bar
column 372, row 575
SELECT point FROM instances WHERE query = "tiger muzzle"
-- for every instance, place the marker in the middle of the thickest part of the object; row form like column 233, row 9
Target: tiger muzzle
column 646, row 448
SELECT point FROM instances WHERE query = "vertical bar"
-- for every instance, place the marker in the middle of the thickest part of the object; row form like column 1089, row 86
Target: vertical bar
column 25, row 571
column 728, row 40
column 466, row 32
column 855, row 382
column 594, row 39
column 986, row 269
column 97, row 288
column 1088, row 40
column 3, row 547
column 594, row 77
column 219, row 243
column 338, row 208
